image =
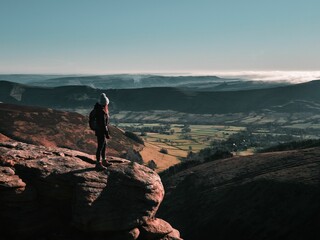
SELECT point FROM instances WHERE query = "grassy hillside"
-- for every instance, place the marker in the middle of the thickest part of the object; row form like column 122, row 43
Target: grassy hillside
column 265, row 196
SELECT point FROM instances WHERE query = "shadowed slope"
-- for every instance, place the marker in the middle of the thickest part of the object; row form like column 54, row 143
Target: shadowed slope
column 265, row 196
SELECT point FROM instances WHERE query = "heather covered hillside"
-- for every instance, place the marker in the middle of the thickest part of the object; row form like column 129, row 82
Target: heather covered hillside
column 265, row 196
column 52, row 128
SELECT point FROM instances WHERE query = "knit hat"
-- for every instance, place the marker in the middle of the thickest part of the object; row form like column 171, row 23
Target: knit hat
column 103, row 99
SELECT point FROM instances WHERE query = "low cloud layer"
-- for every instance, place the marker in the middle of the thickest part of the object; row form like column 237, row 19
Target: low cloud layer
column 288, row 76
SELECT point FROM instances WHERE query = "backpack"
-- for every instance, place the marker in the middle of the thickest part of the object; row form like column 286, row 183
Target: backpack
column 93, row 120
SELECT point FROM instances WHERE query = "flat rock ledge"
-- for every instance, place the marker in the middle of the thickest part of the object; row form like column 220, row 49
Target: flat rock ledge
column 56, row 193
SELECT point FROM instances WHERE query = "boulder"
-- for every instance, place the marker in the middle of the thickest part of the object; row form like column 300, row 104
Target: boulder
column 174, row 235
column 156, row 228
column 51, row 189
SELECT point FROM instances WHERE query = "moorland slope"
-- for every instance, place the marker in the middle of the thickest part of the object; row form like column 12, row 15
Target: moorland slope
column 53, row 128
column 265, row 196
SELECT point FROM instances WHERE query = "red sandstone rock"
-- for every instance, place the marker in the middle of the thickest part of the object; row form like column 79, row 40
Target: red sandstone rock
column 54, row 187
column 9, row 181
column 174, row 235
column 155, row 229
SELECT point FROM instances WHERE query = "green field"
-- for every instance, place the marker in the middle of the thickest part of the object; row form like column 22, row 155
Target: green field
column 179, row 143
column 257, row 131
column 254, row 131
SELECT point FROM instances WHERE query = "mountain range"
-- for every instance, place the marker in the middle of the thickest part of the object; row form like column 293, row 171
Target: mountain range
column 128, row 81
column 302, row 97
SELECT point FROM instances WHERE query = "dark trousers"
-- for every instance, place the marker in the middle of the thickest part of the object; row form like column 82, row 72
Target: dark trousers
column 101, row 149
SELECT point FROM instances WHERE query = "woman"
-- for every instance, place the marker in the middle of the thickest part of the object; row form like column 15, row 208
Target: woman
column 101, row 130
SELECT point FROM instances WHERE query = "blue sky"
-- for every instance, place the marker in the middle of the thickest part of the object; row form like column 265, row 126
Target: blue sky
column 123, row 36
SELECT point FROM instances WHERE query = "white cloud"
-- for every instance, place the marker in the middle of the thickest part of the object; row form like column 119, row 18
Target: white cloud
column 287, row 76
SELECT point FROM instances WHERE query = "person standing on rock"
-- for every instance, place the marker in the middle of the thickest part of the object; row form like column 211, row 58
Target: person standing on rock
column 99, row 120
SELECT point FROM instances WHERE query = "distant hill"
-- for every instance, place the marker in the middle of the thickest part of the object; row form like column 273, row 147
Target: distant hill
column 54, row 128
column 303, row 97
column 28, row 78
column 128, row 81
column 264, row 196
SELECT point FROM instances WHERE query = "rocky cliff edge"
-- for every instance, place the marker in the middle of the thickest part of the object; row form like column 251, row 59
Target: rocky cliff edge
column 55, row 193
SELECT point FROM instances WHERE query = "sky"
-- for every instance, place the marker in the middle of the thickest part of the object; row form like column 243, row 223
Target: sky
column 158, row 36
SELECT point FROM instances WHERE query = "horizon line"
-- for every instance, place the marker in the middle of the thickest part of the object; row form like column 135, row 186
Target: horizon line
column 196, row 72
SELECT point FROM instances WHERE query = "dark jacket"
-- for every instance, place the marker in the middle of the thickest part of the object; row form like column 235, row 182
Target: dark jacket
column 102, row 119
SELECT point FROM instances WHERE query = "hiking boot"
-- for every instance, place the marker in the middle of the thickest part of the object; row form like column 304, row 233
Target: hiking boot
column 108, row 136
column 100, row 167
column 106, row 163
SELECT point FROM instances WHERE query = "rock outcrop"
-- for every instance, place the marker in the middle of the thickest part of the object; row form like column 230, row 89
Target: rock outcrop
column 55, row 193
